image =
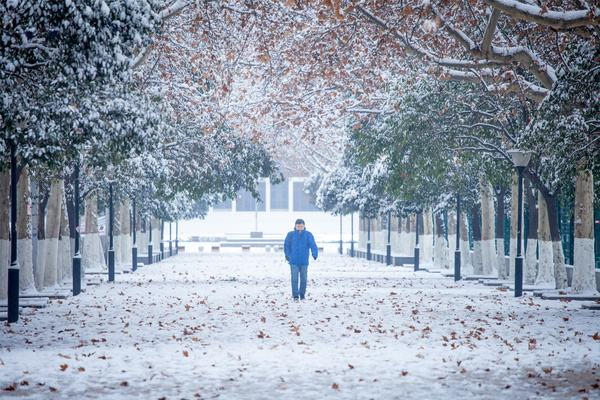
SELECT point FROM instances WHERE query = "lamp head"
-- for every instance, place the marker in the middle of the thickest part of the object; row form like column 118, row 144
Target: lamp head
column 520, row 157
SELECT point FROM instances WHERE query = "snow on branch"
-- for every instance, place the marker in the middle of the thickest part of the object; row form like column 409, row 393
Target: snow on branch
column 506, row 55
column 166, row 13
column 489, row 32
column 529, row 89
column 560, row 20
column 498, row 56
column 174, row 9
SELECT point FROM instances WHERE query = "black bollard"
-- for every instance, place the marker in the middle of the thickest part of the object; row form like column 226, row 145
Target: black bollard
column 13, row 269
column 77, row 255
column 111, row 250
column 134, row 247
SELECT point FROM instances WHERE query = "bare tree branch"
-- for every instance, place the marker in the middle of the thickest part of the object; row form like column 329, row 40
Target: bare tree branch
column 489, row 32
column 559, row 20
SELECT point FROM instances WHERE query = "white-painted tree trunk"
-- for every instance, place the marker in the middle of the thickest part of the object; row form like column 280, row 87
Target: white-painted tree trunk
column 92, row 254
column 38, row 274
column 545, row 271
column 440, row 256
column 52, row 232
column 117, row 236
column 530, row 262
column 24, row 243
column 362, row 235
column 394, row 235
column 465, row 249
column 560, row 272
column 412, row 238
column 126, row 240
column 403, row 237
column 584, row 271
column 476, row 256
column 382, row 234
column 426, row 241
column 451, row 239
column 488, row 245
column 65, row 247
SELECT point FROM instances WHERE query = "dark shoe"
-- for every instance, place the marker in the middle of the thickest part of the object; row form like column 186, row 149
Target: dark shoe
column 295, row 297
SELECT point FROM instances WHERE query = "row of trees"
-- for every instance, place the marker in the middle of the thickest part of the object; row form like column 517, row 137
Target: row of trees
column 81, row 103
column 177, row 99
column 449, row 139
column 470, row 81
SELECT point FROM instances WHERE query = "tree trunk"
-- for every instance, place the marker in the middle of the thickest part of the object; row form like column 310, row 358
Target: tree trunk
column 465, row 248
column 4, row 232
column 560, row 272
column 24, row 243
column 476, row 227
column 412, row 233
column 488, row 247
column 69, row 182
column 394, row 233
column 92, row 252
column 142, row 240
column 513, row 224
column 40, row 262
column 406, row 234
column 426, row 241
column 441, row 247
column 584, row 273
column 126, row 241
column 530, row 262
column 65, row 245
column 451, row 238
column 501, row 262
column 545, row 272
column 52, row 233
column 117, row 233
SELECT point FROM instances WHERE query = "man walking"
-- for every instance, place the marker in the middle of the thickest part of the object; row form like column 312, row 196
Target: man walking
column 296, row 247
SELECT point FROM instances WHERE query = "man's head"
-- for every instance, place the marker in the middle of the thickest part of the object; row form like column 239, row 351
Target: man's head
column 299, row 224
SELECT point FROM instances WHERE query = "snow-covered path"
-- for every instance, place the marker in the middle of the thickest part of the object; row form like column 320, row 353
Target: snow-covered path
column 223, row 325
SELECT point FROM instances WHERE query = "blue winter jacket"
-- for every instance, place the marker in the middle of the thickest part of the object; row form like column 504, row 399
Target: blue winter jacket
column 296, row 246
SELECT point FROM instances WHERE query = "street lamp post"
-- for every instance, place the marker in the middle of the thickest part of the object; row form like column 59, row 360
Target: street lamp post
column 457, row 276
column 520, row 159
column 351, row 234
column 170, row 241
column 149, row 240
column 13, row 269
column 134, row 247
column 369, row 239
column 77, row 254
column 111, row 249
column 388, row 247
column 177, row 237
column 417, row 248
column 162, row 245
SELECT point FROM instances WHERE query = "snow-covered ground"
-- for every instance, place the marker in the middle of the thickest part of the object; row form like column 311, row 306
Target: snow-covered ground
column 223, row 325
